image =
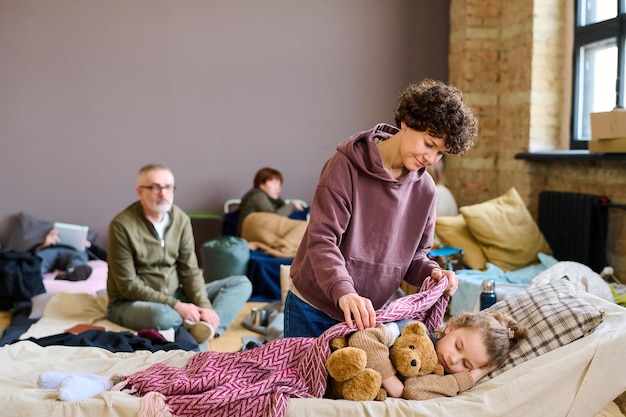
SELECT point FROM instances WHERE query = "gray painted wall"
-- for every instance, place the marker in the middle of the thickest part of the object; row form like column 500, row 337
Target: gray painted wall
column 92, row 90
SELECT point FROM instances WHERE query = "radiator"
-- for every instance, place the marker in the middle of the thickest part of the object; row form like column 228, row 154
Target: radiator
column 575, row 225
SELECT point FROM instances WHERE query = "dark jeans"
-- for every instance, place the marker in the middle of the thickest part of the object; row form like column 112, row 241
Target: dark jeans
column 304, row 320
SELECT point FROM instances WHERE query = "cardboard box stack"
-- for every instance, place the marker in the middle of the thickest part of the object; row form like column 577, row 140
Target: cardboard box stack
column 608, row 132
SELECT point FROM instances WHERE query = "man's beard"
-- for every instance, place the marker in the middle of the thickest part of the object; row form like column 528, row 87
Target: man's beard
column 161, row 208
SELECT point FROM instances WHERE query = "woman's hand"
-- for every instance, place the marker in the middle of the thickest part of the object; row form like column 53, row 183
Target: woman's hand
column 357, row 310
column 453, row 280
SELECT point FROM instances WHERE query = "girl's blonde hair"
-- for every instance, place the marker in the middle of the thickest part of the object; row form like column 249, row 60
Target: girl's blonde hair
column 500, row 332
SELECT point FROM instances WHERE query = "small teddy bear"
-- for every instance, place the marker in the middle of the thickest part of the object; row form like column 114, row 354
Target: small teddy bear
column 360, row 362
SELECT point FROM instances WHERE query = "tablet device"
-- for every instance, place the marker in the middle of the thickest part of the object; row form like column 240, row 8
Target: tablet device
column 73, row 235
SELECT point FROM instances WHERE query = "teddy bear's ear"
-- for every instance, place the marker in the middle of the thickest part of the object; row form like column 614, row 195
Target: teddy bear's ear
column 415, row 327
column 338, row 343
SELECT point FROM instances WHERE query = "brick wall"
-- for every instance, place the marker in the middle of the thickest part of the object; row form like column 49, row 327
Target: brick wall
column 507, row 57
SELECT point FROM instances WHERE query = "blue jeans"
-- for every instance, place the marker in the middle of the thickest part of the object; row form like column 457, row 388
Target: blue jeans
column 304, row 320
column 227, row 295
column 61, row 258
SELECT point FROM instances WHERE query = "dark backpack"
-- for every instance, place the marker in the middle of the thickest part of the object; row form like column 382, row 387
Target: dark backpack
column 20, row 277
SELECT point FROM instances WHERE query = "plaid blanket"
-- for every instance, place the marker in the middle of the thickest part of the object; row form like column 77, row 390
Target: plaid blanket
column 260, row 382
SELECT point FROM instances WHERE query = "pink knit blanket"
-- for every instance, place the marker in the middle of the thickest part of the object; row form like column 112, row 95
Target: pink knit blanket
column 260, row 382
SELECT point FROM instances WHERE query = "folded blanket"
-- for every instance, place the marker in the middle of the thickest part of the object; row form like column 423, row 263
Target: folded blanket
column 260, row 382
column 272, row 233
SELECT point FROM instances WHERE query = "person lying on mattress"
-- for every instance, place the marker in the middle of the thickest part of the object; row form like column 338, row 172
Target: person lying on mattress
column 264, row 197
column 40, row 237
column 469, row 346
column 153, row 277
column 57, row 257
column 373, row 214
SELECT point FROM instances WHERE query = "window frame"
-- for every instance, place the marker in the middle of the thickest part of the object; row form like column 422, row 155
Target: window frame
column 588, row 34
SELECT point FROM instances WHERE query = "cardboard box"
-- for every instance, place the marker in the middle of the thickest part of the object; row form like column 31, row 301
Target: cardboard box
column 608, row 132
column 617, row 145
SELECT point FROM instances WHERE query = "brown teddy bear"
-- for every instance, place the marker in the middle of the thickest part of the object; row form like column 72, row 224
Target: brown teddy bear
column 358, row 364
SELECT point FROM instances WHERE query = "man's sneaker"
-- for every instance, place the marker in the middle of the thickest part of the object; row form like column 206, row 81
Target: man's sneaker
column 200, row 330
column 80, row 273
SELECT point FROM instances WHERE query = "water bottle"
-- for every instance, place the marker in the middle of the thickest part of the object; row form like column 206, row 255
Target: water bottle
column 487, row 294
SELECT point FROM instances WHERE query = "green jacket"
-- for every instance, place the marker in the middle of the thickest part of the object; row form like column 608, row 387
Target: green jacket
column 143, row 267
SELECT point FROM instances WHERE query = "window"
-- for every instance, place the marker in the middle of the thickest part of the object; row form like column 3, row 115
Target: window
column 599, row 46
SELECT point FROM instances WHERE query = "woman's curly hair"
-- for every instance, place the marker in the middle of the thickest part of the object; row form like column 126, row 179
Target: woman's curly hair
column 438, row 108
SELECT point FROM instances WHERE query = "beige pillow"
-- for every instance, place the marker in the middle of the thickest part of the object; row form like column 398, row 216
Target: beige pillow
column 453, row 231
column 506, row 231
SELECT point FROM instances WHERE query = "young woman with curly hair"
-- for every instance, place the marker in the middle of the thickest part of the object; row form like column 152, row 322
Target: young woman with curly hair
column 372, row 217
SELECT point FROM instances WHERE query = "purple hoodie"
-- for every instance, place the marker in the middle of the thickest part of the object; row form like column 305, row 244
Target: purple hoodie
column 367, row 230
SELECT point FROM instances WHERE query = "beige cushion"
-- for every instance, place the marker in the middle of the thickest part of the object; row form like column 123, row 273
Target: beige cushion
column 506, row 231
column 453, row 231
column 554, row 315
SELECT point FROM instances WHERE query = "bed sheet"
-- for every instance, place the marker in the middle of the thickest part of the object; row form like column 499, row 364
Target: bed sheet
column 576, row 380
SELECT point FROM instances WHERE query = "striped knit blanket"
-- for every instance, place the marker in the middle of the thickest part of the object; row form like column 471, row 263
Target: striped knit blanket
column 260, row 382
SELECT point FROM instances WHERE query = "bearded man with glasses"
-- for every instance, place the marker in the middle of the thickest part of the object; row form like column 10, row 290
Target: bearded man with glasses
column 154, row 281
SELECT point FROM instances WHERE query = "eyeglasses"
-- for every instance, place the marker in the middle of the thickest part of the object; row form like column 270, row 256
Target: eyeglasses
column 158, row 188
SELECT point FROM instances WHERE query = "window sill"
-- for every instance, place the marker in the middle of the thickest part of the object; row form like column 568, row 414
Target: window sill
column 570, row 155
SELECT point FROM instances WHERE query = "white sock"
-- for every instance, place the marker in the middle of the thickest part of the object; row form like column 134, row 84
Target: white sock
column 52, row 379
column 78, row 387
